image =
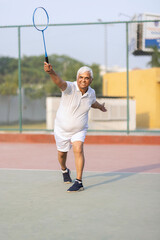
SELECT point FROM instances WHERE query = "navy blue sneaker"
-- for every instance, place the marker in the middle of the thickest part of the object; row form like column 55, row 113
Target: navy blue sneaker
column 76, row 187
column 66, row 176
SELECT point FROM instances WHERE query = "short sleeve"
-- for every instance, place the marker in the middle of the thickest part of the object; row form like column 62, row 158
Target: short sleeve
column 68, row 90
column 93, row 96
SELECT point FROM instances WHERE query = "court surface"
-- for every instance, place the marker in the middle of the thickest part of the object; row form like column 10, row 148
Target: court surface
column 121, row 198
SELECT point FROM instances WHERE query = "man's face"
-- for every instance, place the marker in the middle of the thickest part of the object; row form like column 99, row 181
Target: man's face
column 83, row 81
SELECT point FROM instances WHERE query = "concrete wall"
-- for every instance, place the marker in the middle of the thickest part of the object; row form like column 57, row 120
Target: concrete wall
column 114, row 119
column 41, row 110
column 144, row 86
column 33, row 110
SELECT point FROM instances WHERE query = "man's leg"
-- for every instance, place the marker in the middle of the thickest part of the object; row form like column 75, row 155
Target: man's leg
column 62, row 157
column 79, row 158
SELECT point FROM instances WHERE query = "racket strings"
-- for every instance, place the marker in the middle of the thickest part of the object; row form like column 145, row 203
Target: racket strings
column 40, row 19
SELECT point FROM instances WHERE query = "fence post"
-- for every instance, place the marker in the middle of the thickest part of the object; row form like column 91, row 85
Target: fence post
column 127, row 72
column 19, row 79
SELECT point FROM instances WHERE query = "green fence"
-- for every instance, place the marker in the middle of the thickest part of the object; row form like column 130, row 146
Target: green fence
column 125, row 66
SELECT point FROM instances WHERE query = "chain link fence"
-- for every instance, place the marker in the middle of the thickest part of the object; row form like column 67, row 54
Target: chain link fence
column 125, row 60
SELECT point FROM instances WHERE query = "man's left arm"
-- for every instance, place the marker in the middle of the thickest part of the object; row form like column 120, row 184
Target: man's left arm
column 99, row 106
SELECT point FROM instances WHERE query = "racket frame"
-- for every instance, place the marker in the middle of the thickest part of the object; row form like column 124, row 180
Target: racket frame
column 42, row 30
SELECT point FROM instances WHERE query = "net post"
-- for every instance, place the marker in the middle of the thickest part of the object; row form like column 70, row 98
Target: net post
column 19, row 79
column 127, row 76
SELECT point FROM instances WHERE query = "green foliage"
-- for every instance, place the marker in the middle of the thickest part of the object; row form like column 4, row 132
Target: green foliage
column 65, row 67
column 34, row 92
column 97, row 79
column 9, row 84
column 155, row 60
column 35, row 81
column 8, row 65
column 51, row 89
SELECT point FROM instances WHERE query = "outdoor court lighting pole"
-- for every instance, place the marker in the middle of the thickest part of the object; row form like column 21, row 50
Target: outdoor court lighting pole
column 127, row 66
column 127, row 72
column 125, row 15
column 105, row 45
column 19, row 79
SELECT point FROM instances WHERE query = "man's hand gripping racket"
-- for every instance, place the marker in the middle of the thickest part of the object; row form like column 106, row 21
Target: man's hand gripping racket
column 48, row 68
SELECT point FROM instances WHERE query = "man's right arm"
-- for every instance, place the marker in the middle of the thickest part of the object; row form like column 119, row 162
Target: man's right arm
column 55, row 78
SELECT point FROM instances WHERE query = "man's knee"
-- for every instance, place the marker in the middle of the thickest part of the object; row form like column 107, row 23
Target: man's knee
column 78, row 147
column 62, row 154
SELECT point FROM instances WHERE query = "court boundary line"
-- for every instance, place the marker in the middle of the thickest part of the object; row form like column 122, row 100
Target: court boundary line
column 88, row 171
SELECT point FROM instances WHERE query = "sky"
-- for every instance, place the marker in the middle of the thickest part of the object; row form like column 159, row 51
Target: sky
column 19, row 12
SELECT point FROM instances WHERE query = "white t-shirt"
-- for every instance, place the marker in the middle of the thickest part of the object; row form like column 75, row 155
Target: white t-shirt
column 72, row 114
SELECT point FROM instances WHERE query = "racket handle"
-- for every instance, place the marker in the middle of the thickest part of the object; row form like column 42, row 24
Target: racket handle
column 46, row 59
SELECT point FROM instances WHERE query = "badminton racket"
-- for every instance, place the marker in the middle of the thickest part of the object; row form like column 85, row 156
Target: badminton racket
column 40, row 22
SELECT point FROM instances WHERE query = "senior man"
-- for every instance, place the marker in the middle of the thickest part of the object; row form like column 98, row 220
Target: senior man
column 71, row 122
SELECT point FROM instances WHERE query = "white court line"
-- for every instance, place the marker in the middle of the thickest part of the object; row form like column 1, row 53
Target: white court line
column 87, row 171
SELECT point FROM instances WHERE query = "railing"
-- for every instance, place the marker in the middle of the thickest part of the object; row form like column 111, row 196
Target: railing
column 88, row 43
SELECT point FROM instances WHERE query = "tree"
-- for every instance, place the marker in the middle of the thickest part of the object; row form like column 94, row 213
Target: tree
column 9, row 85
column 97, row 79
column 8, row 65
column 35, row 82
column 155, row 60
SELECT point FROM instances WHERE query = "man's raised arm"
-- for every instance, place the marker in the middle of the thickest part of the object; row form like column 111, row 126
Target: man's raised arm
column 55, row 78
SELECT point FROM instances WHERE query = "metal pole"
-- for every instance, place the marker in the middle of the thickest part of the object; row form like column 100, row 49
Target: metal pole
column 19, row 79
column 105, row 46
column 127, row 66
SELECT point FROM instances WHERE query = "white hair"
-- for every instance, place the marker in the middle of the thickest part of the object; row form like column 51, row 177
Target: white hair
column 85, row 69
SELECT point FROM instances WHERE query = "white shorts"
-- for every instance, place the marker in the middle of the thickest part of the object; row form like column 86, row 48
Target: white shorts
column 64, row 143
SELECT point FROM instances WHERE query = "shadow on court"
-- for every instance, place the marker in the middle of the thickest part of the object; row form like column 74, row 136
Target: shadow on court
column 121, row 174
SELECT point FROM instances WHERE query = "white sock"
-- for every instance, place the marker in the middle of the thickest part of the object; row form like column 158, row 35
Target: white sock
column 79, row 181
column 65, row 171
